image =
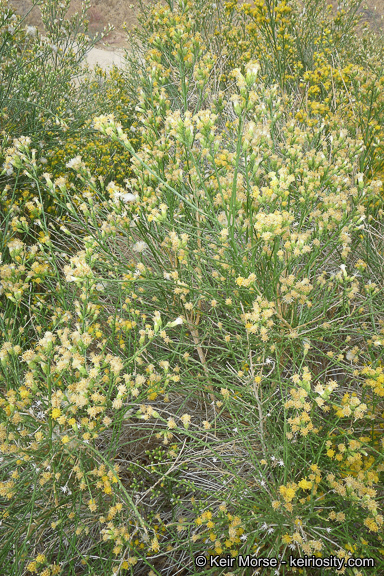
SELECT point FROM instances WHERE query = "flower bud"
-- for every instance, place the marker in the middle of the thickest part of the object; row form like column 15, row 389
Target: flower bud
column 157, row 322
column 176, row 322
column 252, row 69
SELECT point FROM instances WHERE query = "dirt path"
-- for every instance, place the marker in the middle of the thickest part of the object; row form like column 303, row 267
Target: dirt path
column 105, row 58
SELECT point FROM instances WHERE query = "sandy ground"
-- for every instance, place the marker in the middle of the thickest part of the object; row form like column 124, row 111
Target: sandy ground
column 105, row 58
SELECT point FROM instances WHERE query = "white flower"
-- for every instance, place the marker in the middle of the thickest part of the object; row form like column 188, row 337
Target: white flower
column 22, row 143
column 30, row 31
column 47, row 340
column 176, row 322
column 252, row 69
column 8, row 169
column 140, row 246
column 74, row 163
column 128, row 197
column 15, row 247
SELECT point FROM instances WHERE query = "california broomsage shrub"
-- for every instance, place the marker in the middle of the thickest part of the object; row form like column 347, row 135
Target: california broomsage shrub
column 261, row 236
column 204, row 375
column 328, row 56
column 321, row 55
column 54, row 115
column 37, row 70
column 47, row 93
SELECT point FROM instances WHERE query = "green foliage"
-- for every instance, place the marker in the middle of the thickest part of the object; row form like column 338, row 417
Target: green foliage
column 38, row 70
